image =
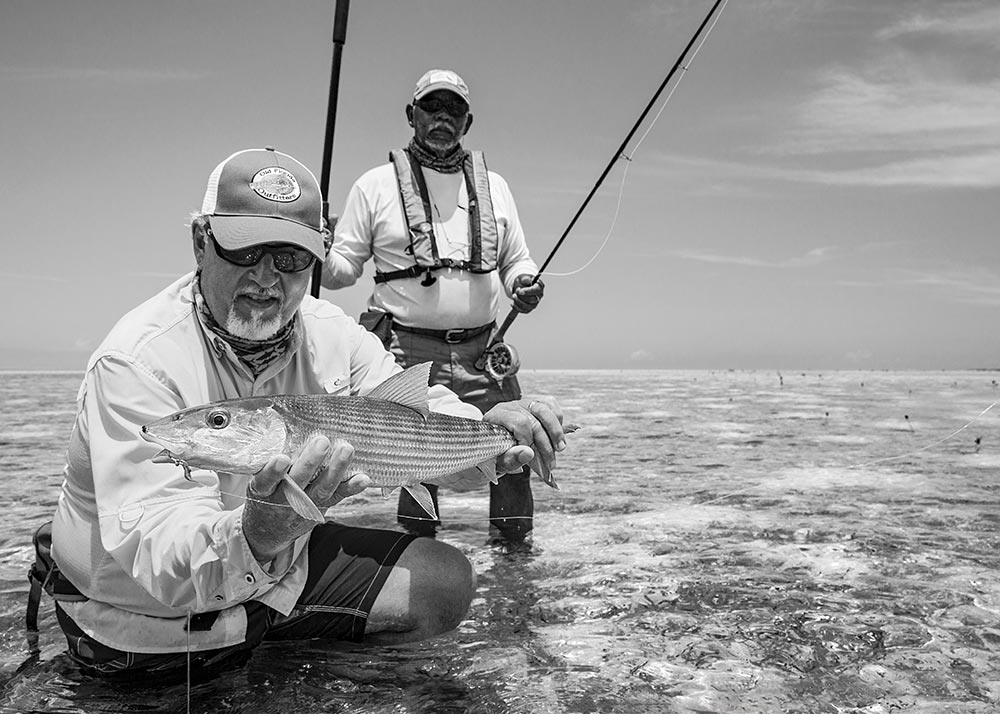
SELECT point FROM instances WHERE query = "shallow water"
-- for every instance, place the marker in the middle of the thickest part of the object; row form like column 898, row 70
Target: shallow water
column 722, row 542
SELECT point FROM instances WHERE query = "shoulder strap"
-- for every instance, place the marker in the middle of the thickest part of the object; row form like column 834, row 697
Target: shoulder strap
column 482, row 221
column 416, row 204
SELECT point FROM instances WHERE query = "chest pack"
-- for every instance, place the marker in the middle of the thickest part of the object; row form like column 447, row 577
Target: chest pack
column 483, row 235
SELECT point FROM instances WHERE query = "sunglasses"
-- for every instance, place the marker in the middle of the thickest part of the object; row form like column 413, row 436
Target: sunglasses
column 287, row 258
column 455, row 107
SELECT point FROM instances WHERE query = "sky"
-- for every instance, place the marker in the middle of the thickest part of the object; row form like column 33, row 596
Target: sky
column 819, row 193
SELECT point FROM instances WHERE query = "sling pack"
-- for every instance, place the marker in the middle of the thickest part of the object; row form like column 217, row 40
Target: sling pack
column 483, row 235
column 44, row 575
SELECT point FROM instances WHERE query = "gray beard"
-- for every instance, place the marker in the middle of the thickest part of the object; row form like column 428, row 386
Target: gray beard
column 256, row 328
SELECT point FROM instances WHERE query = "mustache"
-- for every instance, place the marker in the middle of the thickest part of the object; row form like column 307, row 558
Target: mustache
column 260, row 293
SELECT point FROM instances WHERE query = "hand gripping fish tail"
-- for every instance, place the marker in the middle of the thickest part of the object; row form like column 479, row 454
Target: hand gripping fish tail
column 544, row 472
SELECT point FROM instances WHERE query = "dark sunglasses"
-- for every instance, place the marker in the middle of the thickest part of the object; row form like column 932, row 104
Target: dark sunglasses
column 455, row 107
column 287, row 258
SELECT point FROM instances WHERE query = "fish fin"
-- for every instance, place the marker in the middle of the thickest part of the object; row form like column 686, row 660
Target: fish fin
column 408, row 388
column 300, row 501
column 488, row 469
column 542, row 470
column 422, row 496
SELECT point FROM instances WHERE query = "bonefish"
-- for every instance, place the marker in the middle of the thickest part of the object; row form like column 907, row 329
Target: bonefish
column 398, row 442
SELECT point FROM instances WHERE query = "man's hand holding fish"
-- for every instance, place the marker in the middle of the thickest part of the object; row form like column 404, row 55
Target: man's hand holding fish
column 537, row 427
column 322, row 472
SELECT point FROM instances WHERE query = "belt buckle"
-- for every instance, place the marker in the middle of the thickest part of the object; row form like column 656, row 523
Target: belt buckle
column 454, row 336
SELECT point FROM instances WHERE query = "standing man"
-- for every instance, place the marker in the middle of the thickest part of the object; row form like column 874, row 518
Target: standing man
column 447, row 245
column 153, row 568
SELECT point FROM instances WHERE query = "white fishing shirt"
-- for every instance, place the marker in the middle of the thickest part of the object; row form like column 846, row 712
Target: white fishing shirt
column 148, row 546
column 373, row 224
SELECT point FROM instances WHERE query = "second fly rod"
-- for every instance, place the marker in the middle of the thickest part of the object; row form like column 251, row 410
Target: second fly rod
column 339, row 38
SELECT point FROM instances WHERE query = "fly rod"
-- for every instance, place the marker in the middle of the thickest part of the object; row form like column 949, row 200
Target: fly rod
column 339, row 37
column 499, row 359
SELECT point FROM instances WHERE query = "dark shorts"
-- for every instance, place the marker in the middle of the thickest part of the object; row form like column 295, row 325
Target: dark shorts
column 347, row 569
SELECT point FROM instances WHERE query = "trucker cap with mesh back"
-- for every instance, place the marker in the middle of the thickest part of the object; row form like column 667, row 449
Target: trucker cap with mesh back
column 264, row 196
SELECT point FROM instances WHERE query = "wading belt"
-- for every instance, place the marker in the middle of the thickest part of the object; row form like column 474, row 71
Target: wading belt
column 450, row 336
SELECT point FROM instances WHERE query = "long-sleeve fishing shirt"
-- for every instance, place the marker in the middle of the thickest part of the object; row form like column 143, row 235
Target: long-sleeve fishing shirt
column 372, row 224
column 148, row 546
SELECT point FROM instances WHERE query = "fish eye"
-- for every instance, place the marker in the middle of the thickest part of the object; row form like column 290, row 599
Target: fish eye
column 218, row 419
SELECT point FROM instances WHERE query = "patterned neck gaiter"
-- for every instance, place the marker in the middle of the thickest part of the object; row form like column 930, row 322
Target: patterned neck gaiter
column 257, row 355
column 450, row 164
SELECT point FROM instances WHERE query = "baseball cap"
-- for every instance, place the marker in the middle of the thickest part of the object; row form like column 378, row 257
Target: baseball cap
column 263, row 196
column 441, row 79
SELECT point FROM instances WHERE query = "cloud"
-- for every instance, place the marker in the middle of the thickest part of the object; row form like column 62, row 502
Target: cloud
column 967, row 169
column 640, row 356
column 920, row 109
column 84, row 344
column 813, row 257
column 974, row 286
column 969, row 286
column 982, row 24
column 896, row 108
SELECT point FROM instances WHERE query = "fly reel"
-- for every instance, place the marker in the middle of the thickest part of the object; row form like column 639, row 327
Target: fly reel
column 501, row 360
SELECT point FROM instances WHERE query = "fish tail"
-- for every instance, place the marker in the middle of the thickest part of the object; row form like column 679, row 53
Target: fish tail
column 544, row 471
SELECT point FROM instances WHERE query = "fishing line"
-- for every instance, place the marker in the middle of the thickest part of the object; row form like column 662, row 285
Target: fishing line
column 614, row 220
column 627, row 158
column 189, row 661
column 251, row 499
column 928, row 446
column 875, row 461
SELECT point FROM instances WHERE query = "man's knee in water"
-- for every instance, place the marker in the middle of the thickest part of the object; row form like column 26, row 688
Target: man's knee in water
column 428, row 593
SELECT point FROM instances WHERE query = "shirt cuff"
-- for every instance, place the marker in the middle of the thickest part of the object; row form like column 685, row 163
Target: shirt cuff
column 244, row 577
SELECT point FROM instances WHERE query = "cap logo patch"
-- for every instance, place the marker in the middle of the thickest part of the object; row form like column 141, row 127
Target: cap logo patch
column 276, row 184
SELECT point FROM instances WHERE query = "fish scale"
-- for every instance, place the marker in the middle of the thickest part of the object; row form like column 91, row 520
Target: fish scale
column 393, row 444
